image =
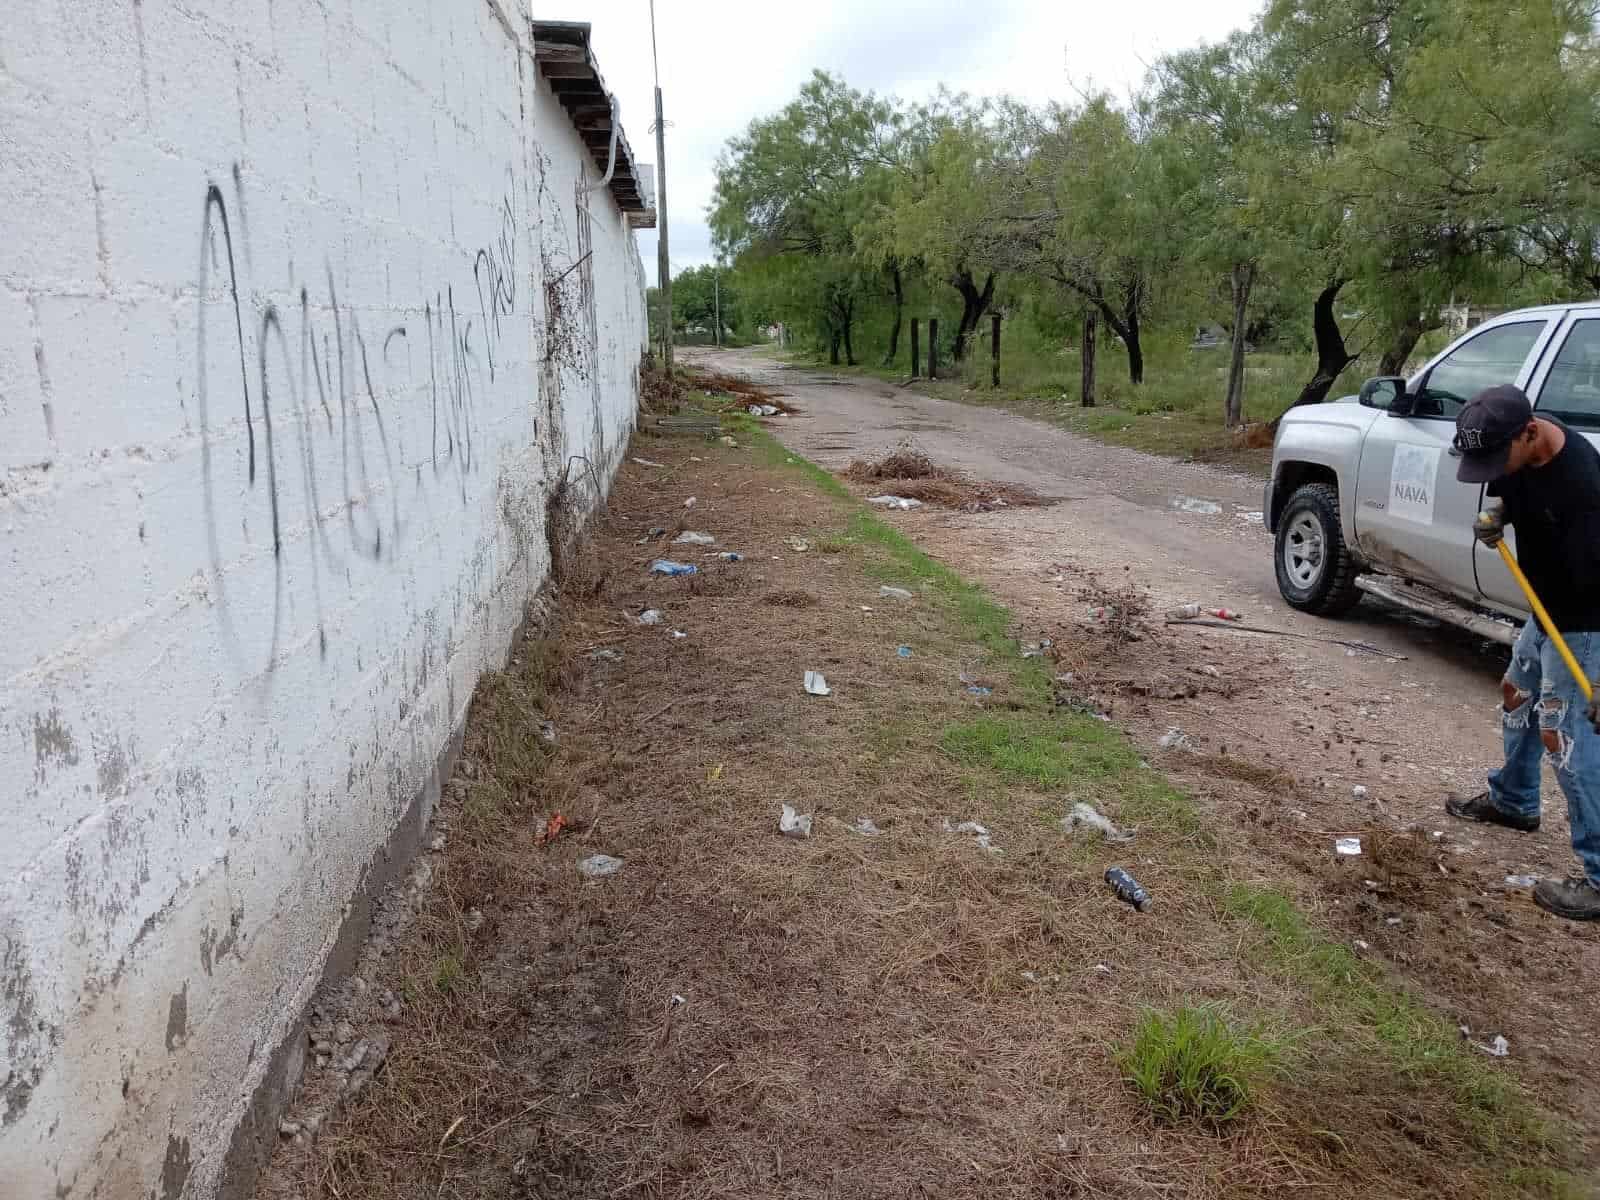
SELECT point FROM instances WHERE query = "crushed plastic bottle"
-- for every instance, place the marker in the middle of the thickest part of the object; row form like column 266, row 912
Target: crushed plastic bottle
column 1128, row 889
column 730, row 556
column 665, row 566
column 1184, row 612
column 1225, row 614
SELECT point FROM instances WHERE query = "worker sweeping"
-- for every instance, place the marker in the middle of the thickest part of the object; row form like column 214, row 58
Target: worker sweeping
column 1547, row 481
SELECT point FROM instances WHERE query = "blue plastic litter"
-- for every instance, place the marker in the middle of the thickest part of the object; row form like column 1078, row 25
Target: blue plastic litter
column 979, row 691
column 665, row 566
column 904, row 652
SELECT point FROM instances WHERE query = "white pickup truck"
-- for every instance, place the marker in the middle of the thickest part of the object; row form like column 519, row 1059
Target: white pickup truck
column 1363, row 495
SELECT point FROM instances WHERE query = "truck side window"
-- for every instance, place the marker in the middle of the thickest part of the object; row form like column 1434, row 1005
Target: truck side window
column 1571, row 392
column 1494, row 356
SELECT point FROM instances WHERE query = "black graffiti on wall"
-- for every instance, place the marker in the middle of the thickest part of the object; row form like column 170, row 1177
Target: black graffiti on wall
column 326, row 410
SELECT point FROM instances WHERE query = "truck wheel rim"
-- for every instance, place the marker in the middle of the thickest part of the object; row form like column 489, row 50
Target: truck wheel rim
column 1303, row 546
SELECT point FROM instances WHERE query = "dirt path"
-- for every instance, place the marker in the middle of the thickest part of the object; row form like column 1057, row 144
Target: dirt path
column 1404, row 730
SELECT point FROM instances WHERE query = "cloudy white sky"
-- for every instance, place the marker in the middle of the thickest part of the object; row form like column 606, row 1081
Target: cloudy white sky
column 723, row 63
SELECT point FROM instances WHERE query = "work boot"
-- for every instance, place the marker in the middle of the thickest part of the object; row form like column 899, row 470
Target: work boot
column 1574, row 898
column 1485, row 811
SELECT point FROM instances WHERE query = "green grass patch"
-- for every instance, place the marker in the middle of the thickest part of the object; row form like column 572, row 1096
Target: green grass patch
column 1194, row 1064
column 1419, row 1045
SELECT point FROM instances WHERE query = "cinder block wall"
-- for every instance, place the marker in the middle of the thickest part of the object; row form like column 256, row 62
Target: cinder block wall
column 280, row 407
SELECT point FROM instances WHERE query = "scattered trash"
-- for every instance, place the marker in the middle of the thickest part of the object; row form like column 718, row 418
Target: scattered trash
column 597, row 866
column 730, row 556
column 1175, row 739
column 980, row 834
column 1349, row 847
column 1358, row 792
column 678, row 633
column 894, row 593
column 1102, row 612
column 645, row 462
column 1128, row 889
column 1201, row 508
column 1499, row 1048
column 1189, row 612
column 652, row 616
column 904, row 651
column 894, row 502
column 1086, row 816
column 798, row 544
column 690, row 502
column 1102, row 968
column 606, row 654
column 1521, row 881
column 790, row 461
column 793, row 824
column 665, row 566
column 652, row 535
column 1225, row 614
column 816, row 685
column 551, row 831
column 979, row 690
column 1037, row 649
column 763, row 410
column 866, row 828
column 547, row 730
column 1184, row 612
column 690, row 538
column 729, row 442
column 677, row 1000
column 1361, row 945
column 1210, row 671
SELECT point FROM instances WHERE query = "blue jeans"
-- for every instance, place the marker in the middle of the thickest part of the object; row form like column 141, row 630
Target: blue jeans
column 1554, row 726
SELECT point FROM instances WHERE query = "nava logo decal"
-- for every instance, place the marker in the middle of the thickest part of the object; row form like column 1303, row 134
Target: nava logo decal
column 1413, row 483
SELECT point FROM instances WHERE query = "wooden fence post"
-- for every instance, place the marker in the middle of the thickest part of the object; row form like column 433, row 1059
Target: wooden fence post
column 933, row 347
column 994, row 349
column 916, row 355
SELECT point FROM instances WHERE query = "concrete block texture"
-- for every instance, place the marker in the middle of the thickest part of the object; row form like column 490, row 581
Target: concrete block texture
column 285, row 382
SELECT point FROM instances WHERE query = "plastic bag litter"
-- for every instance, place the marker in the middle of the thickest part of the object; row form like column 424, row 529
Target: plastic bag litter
column 980, row 834
column 678, row 633
column 1349, row 847
column 1037, row 649
column 730, row 556
column 1175, row 739
column 652, row 616
column 645, row 462
column 894, row 502
column 690, row 538
column 894, row 593
column 1086, row 816
column 866, row 827
column 793, row 824
column 1521, row 881
column 798, row 544
column 816, row 684
column 763, row 410
column 547, row 731
column 690, row 502
column 729, row 442
column 606, row 654
column 903, row 651
column 1499, row 1048
column 665, row 566
column 597, row 866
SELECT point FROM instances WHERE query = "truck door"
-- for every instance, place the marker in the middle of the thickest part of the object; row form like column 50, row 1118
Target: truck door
column 1412, row 516
column 1565, row 386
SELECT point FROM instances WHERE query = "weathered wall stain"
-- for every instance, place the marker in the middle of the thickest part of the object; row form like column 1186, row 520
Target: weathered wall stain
column 178, row 1017
column 175, row 1170
column 52, row 744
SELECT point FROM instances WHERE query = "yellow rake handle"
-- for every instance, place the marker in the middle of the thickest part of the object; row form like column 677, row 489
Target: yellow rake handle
column 1544, row 619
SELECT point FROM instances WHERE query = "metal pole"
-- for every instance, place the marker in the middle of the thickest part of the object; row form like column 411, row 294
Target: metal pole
column 663, row 264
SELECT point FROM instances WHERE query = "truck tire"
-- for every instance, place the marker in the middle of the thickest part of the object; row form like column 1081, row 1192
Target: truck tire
column 1316, row 570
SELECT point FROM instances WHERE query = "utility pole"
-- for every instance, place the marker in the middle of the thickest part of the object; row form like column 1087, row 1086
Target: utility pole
column 663, row 263
column 716, row 293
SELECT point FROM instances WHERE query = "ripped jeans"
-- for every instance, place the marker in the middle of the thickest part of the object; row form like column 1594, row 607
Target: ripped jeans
column 1543, row 716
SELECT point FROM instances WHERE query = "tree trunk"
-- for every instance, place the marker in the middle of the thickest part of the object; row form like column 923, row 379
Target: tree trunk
column 849, row 352
column 1130, row 335
column 1332, row 357
column 974, row 303
column 1087, row 356
column 1403, row 342
column 899, row 306
column 833, row 345
column 1240, row 280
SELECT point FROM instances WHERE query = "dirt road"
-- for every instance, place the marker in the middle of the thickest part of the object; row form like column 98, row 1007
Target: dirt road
column 1372, row 743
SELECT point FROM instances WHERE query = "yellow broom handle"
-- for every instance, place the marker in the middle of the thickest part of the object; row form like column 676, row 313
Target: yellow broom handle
column 1544, row 619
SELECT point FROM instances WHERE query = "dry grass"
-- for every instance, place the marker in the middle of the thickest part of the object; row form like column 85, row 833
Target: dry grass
column 908, row 471
column 741, row 1014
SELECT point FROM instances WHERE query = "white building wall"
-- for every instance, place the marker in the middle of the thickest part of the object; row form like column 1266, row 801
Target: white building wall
column 277, row 427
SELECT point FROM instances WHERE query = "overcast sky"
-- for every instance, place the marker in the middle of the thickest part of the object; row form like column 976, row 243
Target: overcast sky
column 724, row 63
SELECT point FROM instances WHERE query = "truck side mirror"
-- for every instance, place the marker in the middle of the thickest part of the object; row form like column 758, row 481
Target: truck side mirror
column 1388, row 392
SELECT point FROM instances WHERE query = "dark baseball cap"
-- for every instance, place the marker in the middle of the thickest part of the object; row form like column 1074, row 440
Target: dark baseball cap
column 1485, row 429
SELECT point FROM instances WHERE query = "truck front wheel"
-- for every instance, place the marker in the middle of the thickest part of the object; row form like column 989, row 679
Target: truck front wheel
column 1316, row 571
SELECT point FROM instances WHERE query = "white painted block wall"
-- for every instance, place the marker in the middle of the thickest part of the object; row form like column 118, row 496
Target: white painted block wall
column 279, row 411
